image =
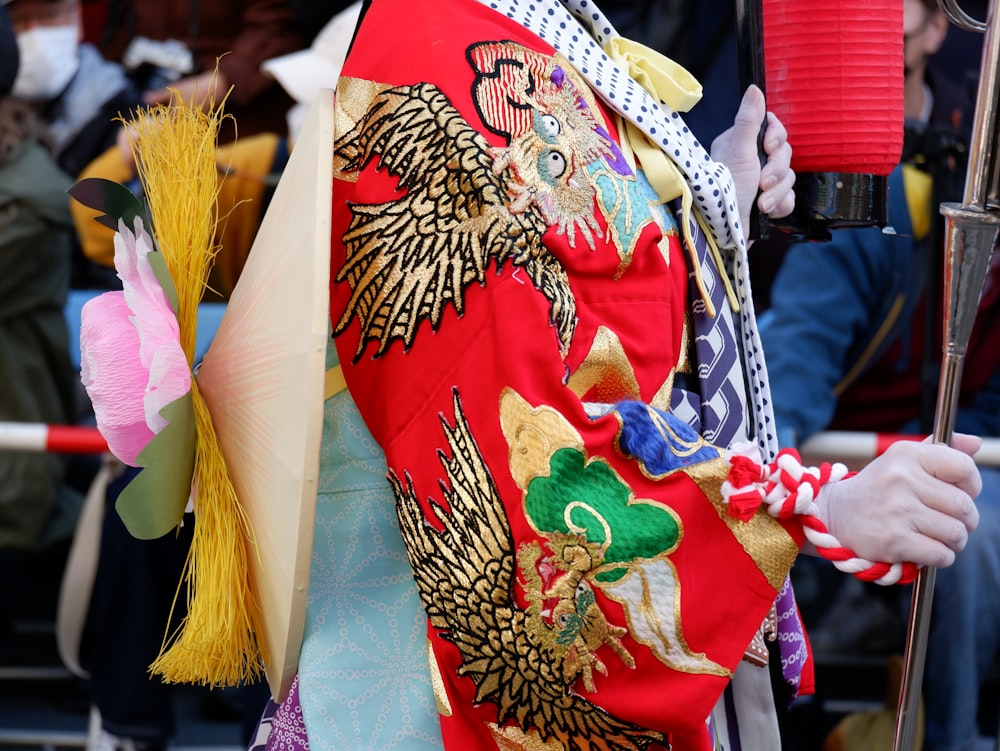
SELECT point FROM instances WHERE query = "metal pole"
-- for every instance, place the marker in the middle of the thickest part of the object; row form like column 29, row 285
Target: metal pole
column 970, row 236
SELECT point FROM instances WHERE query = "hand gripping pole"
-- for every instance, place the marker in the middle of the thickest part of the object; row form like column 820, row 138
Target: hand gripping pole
column 970, row 236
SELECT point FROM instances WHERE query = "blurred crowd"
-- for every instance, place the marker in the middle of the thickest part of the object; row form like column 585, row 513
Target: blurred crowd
column 72, row 73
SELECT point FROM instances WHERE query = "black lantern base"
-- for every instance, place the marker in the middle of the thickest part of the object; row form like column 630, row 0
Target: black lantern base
column 825, row 201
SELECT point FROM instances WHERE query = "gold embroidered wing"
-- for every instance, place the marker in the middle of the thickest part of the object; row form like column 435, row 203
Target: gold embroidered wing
column 409, row 258
column 464, row 567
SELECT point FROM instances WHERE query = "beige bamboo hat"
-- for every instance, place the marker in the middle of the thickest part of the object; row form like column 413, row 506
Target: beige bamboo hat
column 263, row 381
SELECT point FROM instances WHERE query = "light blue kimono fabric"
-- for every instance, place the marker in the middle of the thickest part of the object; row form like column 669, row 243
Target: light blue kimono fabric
column 364, row 681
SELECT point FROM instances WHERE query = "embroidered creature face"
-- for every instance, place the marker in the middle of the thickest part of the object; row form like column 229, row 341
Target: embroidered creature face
column 564, row 612
column 550, row 148
column 543, row 162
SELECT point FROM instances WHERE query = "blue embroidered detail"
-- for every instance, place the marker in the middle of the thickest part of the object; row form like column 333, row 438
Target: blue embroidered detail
column 661, row 442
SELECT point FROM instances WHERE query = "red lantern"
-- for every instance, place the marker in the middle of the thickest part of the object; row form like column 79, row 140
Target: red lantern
column 834, row 75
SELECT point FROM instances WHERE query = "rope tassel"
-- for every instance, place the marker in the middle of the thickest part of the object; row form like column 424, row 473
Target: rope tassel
column 790, row 489
column 216, row 644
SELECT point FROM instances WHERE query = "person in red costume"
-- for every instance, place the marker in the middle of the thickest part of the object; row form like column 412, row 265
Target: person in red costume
column 540, row 301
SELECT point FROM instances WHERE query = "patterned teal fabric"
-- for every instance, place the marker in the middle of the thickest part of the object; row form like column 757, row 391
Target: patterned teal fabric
column 364, row 679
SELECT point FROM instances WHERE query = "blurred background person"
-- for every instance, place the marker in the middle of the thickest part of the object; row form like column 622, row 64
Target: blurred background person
column 853, row 342
column 177, row 45
column 37, row 381
column 77, row 95
column 74, row 89
column 171, row 47
column 250, row 167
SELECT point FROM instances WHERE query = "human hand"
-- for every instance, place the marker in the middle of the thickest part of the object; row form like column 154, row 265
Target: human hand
column 203, row 88
column 913, row 503
column 124, row 139
column 737, row 149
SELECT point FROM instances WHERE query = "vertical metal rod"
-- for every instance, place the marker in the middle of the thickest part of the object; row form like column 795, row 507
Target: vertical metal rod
column 981, row 189
column 970, row 236
column 918, row 626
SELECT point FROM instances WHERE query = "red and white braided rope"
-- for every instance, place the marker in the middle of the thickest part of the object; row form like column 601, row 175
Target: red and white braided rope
column 789, row 489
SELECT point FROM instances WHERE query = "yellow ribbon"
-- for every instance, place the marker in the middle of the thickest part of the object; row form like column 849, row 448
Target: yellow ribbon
column 917, row 185
column 672, row 84
column 334, row 382
column 657, row 74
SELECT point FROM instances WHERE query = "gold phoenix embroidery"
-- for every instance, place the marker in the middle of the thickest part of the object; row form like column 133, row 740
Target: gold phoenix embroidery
column 410, row 258
column 512, row 738
column 464, row 568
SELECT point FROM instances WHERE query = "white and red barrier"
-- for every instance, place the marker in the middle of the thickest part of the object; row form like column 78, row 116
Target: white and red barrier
column 831, row 445
column 846, row 446
column 57, row 439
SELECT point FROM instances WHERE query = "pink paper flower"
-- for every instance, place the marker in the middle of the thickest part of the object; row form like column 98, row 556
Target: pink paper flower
column 132, row 363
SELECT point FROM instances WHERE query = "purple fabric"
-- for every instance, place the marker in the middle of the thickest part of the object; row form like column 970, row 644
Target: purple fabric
column 288, row 729
column 791, row 639
column 258, row 741
column 721, row 386
column 281, row 727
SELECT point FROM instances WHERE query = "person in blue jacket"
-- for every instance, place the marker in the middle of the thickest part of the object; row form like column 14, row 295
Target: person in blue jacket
column 853, row 342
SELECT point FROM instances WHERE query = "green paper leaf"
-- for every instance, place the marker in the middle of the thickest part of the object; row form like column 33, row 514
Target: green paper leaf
column 114, row 200
column 163, row 277
column 153, row 503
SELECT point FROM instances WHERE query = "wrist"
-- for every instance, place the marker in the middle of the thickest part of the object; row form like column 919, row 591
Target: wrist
column 789, row 490
column 826, row 505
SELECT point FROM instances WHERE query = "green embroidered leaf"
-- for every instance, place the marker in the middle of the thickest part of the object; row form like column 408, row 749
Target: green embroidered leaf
column 589, row 498
column 153, row 503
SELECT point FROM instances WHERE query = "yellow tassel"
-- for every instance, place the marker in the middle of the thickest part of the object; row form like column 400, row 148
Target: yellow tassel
column 175, row 147
column 216, row 644
column 175, row 153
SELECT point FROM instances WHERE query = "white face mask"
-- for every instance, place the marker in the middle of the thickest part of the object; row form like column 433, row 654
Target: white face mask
column 49, row 60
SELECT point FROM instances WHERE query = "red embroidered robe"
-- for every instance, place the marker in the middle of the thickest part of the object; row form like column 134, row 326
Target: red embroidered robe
column 509, row 303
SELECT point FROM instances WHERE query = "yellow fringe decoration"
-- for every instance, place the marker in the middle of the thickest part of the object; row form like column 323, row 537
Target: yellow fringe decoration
column 175, row 147
column 216, row 645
